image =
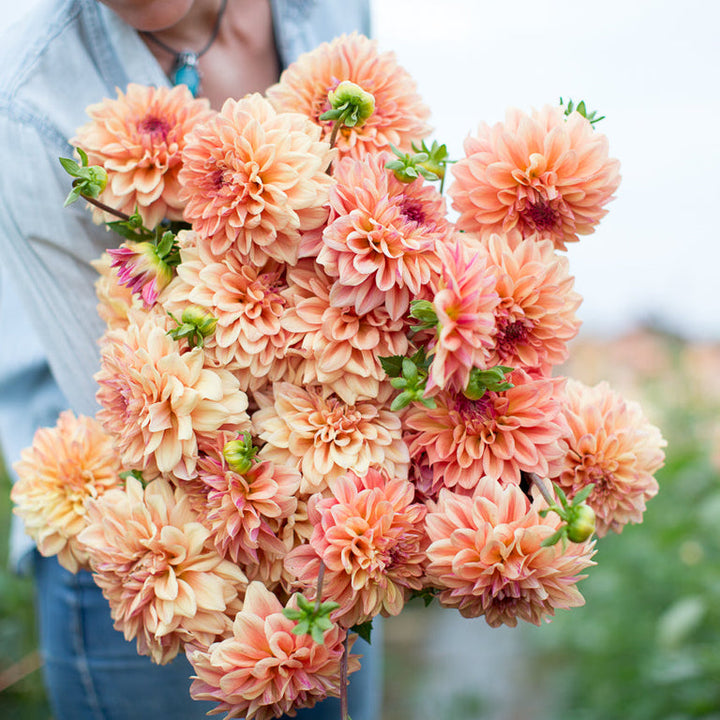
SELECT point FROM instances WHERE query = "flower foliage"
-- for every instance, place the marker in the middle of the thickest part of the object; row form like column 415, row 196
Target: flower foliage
column 325, row 385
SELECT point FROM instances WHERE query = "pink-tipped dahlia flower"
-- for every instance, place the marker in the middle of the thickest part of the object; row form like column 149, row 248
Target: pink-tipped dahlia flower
column 139, row 139
column 247, row 302
column 370, row 537
column 535, row 318
column 64, row 467
column 158, row 569
column 380, row 242
column 464, row 305
column 339, row 347
column 263, row 670
column 487, row 558
column 140, row 268
column 245, row 511
column 613, row 445
column 498, row 436
column 254, row 179
column 156, row 399
column 540, row 173
column 115, row 300
column 325, row 438
column 399, row 118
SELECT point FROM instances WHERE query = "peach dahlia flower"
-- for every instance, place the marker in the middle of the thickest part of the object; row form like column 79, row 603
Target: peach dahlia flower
column 248, row 304
column 338, row 346
column 156, row 399
column 263, row 670
column 540, row 173
column 63, row 468
column 535, row 318
column 498, row 436
column 157, row 567
column 325, row 438
column 370, row 537
column 254, row 179
column 139, row 138
column 380, row 242
column 400, row 116
column 612, row 444
column 487, row 558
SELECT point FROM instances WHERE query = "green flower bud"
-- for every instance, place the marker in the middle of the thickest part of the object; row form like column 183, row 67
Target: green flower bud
column 581, row 523
column 351, row 103
column 240, row 454
column 201, row 320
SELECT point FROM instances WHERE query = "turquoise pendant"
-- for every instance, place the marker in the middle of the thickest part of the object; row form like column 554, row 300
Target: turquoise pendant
column 185, row 72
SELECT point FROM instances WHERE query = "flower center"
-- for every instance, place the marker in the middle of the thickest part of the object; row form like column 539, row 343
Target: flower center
column 154, row 126
column 413, row 211
column 540, row 215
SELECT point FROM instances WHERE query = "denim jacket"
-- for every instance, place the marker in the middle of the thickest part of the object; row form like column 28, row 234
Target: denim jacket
column 64, row 56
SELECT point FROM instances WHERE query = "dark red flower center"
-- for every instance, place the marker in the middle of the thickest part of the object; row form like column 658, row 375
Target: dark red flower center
column 154, row 126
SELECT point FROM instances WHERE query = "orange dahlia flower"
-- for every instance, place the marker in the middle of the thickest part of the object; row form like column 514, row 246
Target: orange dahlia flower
column 487, row 558
column 400, row 116
column 380, row 242
column 254, row 179
column 612, row 444
column 157, row 567
column 370, row 537
column 535, row 318
column 263, row 670
column 139, row 139
column 498, row 436
column 541, row 173
column 63, row 468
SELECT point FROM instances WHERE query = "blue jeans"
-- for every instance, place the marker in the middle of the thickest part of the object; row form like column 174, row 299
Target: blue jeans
column 93, row 673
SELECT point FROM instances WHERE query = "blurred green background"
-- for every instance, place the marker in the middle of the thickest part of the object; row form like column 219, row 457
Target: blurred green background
column 644, row 647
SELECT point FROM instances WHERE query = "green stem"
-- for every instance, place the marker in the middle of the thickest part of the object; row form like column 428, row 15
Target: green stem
column 106, row 208
column 540, row 485
column 318, row 596
column 334, row 131
column 344, row 679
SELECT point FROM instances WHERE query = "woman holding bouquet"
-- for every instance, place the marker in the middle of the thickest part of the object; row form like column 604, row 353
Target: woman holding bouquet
column 66, row 55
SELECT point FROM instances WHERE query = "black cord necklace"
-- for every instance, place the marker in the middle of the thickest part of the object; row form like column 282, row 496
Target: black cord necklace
column 185, row 62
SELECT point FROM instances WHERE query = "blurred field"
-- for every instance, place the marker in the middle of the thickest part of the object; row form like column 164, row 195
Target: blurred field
column 645, row 645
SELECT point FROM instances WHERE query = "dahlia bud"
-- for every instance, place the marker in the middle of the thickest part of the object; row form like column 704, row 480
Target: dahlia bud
column 141, row 268
column 350, row 104
column 581, row 523
column 195, row 324
column 240, row 454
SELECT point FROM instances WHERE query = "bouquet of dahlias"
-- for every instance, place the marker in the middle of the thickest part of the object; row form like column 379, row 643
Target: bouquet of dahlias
column 321, row 396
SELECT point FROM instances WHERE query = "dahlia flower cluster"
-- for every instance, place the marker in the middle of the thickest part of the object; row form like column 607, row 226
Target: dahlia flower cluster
column 318, row 390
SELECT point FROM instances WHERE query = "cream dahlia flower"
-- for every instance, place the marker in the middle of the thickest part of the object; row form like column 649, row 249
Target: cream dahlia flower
column 613, row 445
column 64, row 467
column 370, row 537
column 157, row 567
column 139, row 139
column 255, row 179
column 486, row 556
column 380, row 244
column 156, row 399
column 400, row 116
column 325, row 438
column 339, row 347
column 263, row 670
column 540, row 173
column 498, row 436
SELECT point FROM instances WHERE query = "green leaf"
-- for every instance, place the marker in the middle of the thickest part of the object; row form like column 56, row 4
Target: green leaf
column 70, row 166
column 292, row 613
column 400, row 402
column 583, row 495
column 73, row 195
column 557, row 535
column 392, row 365
column 409, row 369
column 317, row 635
column 364, row 630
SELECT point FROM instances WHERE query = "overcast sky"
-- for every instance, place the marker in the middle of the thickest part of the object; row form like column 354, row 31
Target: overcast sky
column 652, row 67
